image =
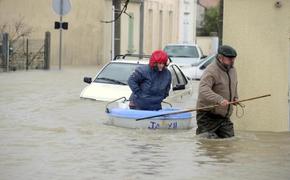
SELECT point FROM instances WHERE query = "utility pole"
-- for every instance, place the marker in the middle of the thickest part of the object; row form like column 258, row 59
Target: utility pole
column 220, row 22
column 117, row 41
column 141, row 35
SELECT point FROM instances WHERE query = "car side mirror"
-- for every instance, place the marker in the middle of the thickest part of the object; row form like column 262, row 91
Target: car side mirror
column 204, row 56
column 202, row 67
column 88, row 80
column 179, row 87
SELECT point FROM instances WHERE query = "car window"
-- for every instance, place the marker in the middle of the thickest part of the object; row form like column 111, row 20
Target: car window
column 173, row 77
column 178, row 77
column 182, row 51
column 197, row 63
column 208, row 61
column 201, row 52
column 119, row 72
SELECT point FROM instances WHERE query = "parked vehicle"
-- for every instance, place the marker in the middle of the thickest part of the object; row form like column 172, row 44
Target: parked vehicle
column 186, row 56
column 198, row 68
column 110, row 83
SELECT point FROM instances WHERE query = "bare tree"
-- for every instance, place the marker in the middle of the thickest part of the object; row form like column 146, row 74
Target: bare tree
column 15, row 30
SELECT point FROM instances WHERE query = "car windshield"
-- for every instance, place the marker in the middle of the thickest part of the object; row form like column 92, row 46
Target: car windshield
column 182, row 51
column 197, row 63
column 207, row 61
column 116, row 73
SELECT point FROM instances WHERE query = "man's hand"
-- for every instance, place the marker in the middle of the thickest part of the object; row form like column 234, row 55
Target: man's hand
column 224, row 102
column 235, row 101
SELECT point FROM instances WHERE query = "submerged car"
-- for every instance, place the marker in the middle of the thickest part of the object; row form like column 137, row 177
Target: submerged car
column 199, row 67
column 110, row 83
column 186, row 56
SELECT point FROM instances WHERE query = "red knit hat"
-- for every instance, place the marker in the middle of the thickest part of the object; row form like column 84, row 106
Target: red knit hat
column 158, row 56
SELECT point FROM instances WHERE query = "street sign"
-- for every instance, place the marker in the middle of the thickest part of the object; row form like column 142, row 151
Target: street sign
column 61, row 7
column 58, row 25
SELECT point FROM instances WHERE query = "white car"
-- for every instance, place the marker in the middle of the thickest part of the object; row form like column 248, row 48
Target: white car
column 186, row 56
column 198, row 68
column 111, row 81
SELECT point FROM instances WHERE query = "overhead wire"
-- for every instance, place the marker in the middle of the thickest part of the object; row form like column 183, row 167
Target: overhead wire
column 124, row 9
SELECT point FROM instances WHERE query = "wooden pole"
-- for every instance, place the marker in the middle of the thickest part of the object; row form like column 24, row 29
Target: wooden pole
column 203, row 108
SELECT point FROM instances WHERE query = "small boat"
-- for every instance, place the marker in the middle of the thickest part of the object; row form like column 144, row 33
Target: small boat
column 127, row 118
column 122, row 116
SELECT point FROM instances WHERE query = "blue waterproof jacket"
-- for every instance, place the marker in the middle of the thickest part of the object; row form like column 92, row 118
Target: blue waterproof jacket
column 149, row 87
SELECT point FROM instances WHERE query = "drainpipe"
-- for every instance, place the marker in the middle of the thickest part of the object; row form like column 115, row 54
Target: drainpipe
column 220, row 23
column 141, row 35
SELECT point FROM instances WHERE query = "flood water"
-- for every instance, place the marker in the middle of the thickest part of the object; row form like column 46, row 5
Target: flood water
column 48, row 132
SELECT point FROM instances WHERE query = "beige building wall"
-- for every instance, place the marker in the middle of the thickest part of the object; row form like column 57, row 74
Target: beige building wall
column 82, row 42
column 161, row 24
column 208, row 44
column 260, row 32
column 88, row 40
column 134, row 11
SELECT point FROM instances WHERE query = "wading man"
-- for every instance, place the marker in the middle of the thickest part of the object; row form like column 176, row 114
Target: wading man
column 218, row 85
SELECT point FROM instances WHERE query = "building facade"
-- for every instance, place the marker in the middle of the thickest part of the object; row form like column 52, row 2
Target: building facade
column 88, row 40
column 82, row 44
column 260, row 31
column 165, row 21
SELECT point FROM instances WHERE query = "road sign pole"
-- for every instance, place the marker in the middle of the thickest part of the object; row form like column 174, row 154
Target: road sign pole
column 113, row 34
column 61, row 7
column 60, row 33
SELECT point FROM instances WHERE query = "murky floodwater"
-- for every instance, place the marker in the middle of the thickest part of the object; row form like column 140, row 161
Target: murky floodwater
column 47, row 132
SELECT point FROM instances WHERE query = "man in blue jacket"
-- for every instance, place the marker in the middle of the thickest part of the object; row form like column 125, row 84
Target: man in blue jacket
column 150, row 84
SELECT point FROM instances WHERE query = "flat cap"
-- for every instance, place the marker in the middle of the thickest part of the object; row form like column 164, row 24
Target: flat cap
column 227, row 51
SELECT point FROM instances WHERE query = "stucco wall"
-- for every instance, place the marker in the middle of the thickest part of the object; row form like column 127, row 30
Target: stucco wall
column 208, row 44
column 187, row 21
column 81, row 42
column 260, row 32
column 152, row 38
column 134, row 9
column 152, row 24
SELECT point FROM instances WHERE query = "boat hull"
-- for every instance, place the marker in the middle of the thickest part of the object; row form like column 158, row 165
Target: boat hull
column 127, row 118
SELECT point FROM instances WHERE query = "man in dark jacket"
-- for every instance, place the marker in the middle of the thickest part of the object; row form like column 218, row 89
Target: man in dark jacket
column 150, row 84
column 218, row 85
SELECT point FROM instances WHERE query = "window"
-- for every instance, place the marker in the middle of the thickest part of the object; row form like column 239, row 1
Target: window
column 178, row 77
column 117, row 71
column 182, row 51
column 173, row 77
column 170, row 24
column 207, row 63
column 149, row 29
column 160, row 29
column 131, row 33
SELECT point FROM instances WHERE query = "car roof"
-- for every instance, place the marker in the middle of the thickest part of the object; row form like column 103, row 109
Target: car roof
column 181, row 44
column 135, row 61
column 130, row 61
